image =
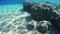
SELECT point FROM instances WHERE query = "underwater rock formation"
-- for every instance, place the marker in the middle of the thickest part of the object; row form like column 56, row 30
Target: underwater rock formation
column 47, row 12
column 27, row 6
column 44, row 26
column 42, row 11
column 30, row 27
column 41, row 26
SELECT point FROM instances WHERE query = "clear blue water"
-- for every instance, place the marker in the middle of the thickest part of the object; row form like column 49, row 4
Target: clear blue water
column 21, row 1
column 43, row 1
column 11, row 2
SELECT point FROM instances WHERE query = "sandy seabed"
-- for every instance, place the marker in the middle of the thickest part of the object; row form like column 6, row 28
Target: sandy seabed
column 10, row 19
column 13, row 20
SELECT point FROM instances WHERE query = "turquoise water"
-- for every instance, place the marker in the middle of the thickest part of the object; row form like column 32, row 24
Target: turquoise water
column 12, row 19
column 43, row 1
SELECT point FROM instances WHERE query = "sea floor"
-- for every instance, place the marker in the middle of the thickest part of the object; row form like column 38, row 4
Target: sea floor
column 13, row 20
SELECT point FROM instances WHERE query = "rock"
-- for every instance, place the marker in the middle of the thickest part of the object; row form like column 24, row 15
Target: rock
column 44, row 26
column 30, row 27
column 41, row 12
column 32, row 24
column 27, row 6
column 28, row 18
